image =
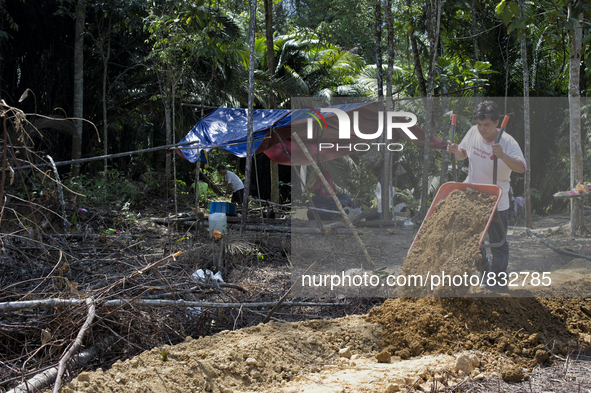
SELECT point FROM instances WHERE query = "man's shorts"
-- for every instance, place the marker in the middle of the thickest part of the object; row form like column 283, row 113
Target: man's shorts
column 238, row 196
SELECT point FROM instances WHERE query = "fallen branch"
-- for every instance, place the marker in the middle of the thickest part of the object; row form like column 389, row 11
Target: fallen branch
column 137, row 272
column 255, row 227
column 318, row 209
column 75, row 345
column 55, row 303
column 538, row 231
column 282, row 299
column 165, row 221
column 39, row 381
column 287, row 205
column 554, row 248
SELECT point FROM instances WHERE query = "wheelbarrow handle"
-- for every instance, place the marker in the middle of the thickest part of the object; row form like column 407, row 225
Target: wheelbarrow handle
column 503, row 230
column 454, row 120
column 495, row 159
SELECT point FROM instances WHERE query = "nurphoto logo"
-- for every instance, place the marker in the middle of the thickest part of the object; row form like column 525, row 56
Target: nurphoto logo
column 393, row 121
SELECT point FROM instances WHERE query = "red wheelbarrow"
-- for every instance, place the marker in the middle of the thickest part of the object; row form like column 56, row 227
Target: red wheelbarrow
column 490, row 189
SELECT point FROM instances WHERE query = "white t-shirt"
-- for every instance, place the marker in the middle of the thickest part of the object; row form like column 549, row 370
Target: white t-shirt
column 234, row 181
column 480, row 156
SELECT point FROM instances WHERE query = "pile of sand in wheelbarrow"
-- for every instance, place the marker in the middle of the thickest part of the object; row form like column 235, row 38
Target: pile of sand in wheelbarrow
column 449, row 241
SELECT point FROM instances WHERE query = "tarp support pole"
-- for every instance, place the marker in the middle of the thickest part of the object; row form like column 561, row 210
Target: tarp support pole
column 334, row 197
column 176, row 204
column 256, row 173
column 197, row 196
column 309, row 200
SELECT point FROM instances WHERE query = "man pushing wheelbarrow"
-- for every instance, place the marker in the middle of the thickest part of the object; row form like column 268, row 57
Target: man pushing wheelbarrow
column 481, row 145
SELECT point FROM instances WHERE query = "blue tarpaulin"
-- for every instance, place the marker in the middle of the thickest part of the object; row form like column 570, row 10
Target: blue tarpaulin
column 227, row 126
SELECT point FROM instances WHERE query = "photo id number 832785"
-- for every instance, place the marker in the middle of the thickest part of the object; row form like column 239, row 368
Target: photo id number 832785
column 516, row 279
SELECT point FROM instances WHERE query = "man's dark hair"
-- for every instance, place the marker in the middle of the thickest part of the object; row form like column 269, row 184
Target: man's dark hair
column 220, row 167
column 487, row 110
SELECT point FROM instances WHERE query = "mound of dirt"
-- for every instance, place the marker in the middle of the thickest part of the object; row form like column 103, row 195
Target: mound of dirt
column 454, row 337
column 516, row 327
column 449, row 240
column 258, row 358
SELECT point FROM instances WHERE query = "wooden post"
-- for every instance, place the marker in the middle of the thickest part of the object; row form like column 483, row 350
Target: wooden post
column 574, row 104
column 197, row 196
column 302, row 181
column 387, row 164
column 334, row 198
column 526, row 122
column 250, row 126
column 274, row 169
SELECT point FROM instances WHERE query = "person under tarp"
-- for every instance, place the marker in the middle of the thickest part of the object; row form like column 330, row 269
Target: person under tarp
column 322, row 198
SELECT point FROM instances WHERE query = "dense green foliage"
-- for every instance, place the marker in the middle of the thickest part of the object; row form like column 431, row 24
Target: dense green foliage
column 322, row 48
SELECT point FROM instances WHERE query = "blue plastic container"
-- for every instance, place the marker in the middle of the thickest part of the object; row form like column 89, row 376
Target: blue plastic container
column 222, row 207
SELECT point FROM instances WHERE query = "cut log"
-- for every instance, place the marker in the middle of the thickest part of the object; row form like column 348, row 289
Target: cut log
column 54, row 303
column 41, row 380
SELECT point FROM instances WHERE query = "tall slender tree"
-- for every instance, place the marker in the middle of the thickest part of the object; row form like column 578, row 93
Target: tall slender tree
column 104, row 44
column 386, row 171
column 434, row 10
column 418, row 68
column 250, row 125
column 271, row 67
column 526, row 122
column 574, row 103
column 378, row 37
column 78, row 83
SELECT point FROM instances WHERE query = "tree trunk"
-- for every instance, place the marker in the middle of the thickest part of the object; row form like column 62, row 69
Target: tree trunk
column 274, row 167
column 168, row 119
column 106, row 55
column 576, row 151
column 417, row 60
column 378, row 17
column 526, row 122
column 386, row 172
column 250, row 126
column 380, row 87
column 418, row 67
column 434, row 16
column 444, row 155
column 474, row 30
column 78, row 84
column 475, row 44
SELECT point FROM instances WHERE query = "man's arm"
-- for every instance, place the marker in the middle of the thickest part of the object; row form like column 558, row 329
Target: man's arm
column 453, row 148
column 513, row 163
column 225, row 183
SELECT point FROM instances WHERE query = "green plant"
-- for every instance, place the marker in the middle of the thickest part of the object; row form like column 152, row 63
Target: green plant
column 108, row 187
column 129, row 218
column 407, row 196
column 151, row 178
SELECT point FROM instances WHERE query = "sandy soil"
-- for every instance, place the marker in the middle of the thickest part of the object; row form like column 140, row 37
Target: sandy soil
column 433, row 343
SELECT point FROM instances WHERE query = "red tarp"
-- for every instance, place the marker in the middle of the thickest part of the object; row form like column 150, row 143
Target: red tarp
column 368, row 123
